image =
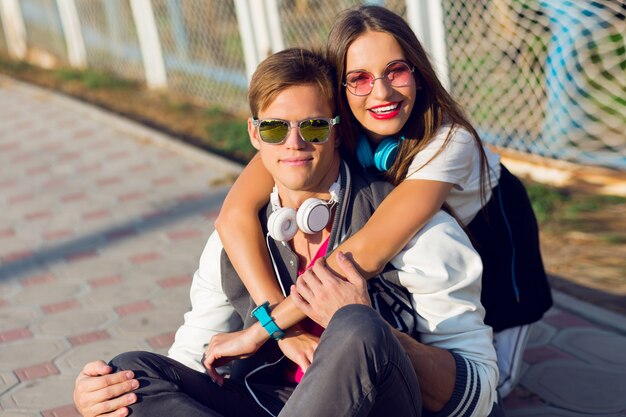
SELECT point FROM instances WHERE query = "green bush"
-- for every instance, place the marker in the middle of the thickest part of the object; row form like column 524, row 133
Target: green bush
column 93, row 79
column 231, row 136
column 545, row 200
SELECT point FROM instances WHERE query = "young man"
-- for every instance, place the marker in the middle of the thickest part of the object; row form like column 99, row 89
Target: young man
column 360, row 366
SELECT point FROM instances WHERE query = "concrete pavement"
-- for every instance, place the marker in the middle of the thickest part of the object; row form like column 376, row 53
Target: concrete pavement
column 102, row 222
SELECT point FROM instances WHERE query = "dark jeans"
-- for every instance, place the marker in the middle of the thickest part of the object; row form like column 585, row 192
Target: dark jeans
column 359, row 369
column 168, row 388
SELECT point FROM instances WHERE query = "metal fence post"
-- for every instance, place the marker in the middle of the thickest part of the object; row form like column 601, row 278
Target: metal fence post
column 14, row 28
column 426, row 19
column 73, row 35
column 154, row 66
column 247, row 36
column 259, row 26
column 260, row 35
column 274, row 25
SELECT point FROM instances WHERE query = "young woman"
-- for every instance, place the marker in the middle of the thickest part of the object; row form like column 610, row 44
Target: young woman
column 397, row 119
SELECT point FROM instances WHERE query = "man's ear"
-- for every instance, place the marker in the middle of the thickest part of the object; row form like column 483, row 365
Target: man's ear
column 337, row 141
column 252, row 132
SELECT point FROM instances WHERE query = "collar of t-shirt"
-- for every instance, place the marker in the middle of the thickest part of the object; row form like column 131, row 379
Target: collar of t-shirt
column 320, row 252
column 308, row 325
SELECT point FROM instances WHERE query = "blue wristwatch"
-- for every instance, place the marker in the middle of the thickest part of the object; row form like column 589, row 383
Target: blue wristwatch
column 262, row 314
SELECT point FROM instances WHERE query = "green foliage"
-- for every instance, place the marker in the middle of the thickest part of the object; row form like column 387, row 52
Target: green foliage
column 560, row 210
column 177, row 105
column 553, row 203
column 545, row 200
column 592, row 203
column 613, row 239
column 93, row 79
column 214, row 110
column 231, row 136
column 11, row 65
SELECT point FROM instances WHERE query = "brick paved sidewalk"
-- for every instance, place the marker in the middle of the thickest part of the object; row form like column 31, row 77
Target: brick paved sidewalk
column 102, row 225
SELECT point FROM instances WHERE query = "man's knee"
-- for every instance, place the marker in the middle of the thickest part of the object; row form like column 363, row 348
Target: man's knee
column 128, row 360
column 358, row 325
column 141, row 363
column 147, row 366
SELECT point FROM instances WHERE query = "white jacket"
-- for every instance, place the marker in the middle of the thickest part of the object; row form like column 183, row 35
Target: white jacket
column 440, row 269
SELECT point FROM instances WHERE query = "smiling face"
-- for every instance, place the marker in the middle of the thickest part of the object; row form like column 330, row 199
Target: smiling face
column 386, row 109
column 300, row 169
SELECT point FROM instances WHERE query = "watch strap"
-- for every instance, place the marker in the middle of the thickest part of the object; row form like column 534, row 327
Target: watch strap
column 262, row 314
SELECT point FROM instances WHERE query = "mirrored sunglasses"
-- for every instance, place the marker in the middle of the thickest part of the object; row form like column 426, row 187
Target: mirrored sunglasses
column 313, row 130
column 361, row 83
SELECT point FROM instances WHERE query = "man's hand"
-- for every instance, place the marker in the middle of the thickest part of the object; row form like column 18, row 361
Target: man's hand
column 319, row 293
column 226, row 347
column 299, row 346
column 98, row 392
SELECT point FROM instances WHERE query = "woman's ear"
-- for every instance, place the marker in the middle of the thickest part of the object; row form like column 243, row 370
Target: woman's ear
column 252, row 132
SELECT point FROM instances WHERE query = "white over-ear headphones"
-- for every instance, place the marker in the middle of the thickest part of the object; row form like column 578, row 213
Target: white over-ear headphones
column 312, row 216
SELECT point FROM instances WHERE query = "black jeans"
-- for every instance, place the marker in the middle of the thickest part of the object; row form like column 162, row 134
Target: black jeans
column 169, row 388
column 359, row 369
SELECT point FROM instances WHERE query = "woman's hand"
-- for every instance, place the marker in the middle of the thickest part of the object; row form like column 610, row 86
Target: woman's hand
column 226, row 347
column 299, row 346
column 319, row 293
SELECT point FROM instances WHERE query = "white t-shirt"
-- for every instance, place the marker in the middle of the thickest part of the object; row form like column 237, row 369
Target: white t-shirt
column 458, row 164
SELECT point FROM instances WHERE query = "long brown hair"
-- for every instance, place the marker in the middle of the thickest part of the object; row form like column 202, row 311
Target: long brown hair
column 433, row 105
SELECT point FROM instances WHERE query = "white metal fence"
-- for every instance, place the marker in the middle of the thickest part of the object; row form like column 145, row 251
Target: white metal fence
column 546, row 77
column 110, row 39
column 3, row 40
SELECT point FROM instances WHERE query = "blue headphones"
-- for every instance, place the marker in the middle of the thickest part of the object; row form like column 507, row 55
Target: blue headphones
column 382, row 158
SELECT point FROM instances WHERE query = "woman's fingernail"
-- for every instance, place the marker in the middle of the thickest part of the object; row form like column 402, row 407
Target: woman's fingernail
column 128, row 375
column 341, row 255
column 134, row 384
